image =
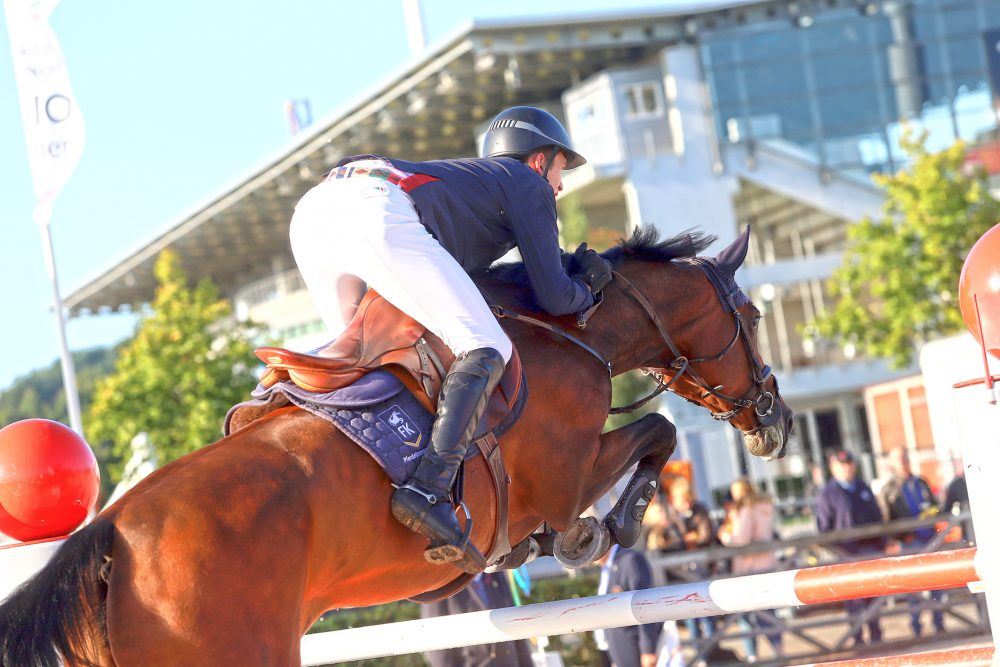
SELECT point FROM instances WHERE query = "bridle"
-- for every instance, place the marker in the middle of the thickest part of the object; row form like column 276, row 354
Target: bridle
column 762, row 401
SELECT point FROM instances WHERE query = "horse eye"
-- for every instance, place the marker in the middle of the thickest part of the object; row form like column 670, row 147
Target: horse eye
column 756, row 321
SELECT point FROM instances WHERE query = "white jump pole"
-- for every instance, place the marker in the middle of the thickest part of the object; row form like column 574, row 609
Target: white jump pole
column 19, row 562
column 981, row 457
column 828, row 583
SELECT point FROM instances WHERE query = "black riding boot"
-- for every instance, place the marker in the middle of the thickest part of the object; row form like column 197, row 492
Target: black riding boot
column 424, row 503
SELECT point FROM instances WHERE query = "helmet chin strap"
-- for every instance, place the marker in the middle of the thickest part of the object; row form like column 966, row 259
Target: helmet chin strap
column 548, row 161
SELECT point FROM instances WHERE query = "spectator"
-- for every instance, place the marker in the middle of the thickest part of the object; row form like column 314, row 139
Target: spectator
column 750, row 519
column 684, row 524
column 843, row 503
column 653, row 521
column 635, row 645
column 957, row 493
column 670, row 653
column 956, row 498
column 906, row 496
column 487, row 591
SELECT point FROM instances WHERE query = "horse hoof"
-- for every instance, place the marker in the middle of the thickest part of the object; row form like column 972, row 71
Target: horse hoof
column 582, row 543
column 449, row 554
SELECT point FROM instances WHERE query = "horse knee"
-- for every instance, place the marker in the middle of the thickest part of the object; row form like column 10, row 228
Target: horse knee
column 660, row 426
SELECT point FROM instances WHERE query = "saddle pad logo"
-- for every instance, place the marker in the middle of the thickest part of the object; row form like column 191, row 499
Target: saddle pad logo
column 402, row 425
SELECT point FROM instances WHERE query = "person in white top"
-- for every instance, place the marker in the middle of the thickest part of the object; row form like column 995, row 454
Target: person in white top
column 750, row 520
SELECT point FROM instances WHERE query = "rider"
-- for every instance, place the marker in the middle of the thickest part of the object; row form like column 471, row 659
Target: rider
column 413, row 231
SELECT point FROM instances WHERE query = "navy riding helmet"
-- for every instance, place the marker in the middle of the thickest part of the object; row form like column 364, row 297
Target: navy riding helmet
column 519, row 131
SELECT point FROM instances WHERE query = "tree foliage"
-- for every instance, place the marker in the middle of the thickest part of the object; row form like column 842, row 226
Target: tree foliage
column 626, row 389
column 41, row 394
column 898, row 283
column 574, row 226
column 188, row 363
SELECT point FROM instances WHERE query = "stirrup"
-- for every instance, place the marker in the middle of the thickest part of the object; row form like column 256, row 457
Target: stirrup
column 463, row 555
column 464, row 541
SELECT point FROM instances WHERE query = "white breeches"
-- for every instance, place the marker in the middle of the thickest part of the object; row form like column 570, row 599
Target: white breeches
column 367, row 227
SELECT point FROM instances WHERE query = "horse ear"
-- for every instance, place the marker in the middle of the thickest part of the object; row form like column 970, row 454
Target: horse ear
column 731, row 258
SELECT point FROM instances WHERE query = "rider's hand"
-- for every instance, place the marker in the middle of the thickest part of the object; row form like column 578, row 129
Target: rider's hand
column 592, row 268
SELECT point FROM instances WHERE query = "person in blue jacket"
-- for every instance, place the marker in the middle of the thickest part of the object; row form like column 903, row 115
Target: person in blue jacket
column 414, row 231
column 624, row 570
column 846, row 502
column 485, row 592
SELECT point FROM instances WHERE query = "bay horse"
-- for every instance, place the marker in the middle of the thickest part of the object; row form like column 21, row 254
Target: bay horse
column 229, row 554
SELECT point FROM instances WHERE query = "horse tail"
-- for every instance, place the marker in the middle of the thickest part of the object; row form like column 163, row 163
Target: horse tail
column 60, row 612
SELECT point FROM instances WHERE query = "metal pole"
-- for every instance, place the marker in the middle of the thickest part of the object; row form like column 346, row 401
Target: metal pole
column 68, row 372
column 414, row 20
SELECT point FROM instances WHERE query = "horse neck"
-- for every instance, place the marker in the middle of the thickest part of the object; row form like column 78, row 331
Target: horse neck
column 624, row 331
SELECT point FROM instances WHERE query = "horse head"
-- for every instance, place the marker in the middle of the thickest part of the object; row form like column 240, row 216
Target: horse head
column 702, row 333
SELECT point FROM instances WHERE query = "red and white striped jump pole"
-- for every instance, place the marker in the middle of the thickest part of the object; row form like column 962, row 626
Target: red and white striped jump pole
column 816, row 585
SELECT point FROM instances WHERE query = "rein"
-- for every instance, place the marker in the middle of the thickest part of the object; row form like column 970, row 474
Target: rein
column 680, row 363
column 500, row 311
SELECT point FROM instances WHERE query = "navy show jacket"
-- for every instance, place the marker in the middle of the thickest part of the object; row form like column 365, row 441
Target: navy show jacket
column 480, row 208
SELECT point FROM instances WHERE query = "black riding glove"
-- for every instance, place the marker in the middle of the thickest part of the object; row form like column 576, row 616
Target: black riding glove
column 592, row 268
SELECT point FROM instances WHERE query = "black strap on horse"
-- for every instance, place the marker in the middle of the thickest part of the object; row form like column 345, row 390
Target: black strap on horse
column 500, row 311
column 680, row 363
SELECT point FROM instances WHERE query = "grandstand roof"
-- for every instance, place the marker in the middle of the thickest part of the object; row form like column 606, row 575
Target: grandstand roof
column 428, row 109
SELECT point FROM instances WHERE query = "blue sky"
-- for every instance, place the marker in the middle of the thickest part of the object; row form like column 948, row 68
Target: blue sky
column 181, row 98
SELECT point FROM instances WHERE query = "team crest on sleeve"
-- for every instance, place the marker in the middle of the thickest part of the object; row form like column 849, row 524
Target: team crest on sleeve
column 401, row 424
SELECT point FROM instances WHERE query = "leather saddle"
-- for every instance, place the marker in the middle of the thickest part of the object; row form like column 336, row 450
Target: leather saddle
column 382, row 336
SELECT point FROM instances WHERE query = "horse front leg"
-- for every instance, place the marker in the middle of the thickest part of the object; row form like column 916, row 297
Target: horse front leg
column 650, row 441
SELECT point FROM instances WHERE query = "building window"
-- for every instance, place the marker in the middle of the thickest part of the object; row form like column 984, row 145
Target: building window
column 643, row 100
column 586, row 114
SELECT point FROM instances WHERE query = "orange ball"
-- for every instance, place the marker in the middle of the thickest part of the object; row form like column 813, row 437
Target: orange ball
column 49, row 479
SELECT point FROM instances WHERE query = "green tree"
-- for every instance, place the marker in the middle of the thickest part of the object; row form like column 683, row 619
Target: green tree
column 898, row 283
column 573, row 222
column 188, row 363
column 40, row 394
column 626, row 389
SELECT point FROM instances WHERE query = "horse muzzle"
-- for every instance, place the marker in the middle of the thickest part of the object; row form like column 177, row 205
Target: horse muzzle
column 769, row 440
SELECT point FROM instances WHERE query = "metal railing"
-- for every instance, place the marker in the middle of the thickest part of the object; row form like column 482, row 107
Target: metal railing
column 830, row 630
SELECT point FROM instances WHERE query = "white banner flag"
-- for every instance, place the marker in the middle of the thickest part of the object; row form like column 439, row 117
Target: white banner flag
column 53, row 124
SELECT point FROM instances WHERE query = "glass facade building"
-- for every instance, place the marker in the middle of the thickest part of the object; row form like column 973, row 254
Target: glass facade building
column 839, row 82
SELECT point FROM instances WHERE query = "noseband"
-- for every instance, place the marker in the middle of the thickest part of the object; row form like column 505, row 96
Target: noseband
column 762, row 401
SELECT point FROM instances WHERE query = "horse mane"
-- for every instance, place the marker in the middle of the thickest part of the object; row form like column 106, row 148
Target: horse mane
column 644, row 243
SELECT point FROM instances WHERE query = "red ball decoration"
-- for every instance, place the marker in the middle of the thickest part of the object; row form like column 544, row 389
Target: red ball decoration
column 981, row 277
column 48, row 480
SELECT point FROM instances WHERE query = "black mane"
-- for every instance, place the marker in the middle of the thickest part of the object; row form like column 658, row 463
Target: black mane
column 644, row 243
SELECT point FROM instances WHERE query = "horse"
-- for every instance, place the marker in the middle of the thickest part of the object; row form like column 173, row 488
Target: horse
column 228, row 555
